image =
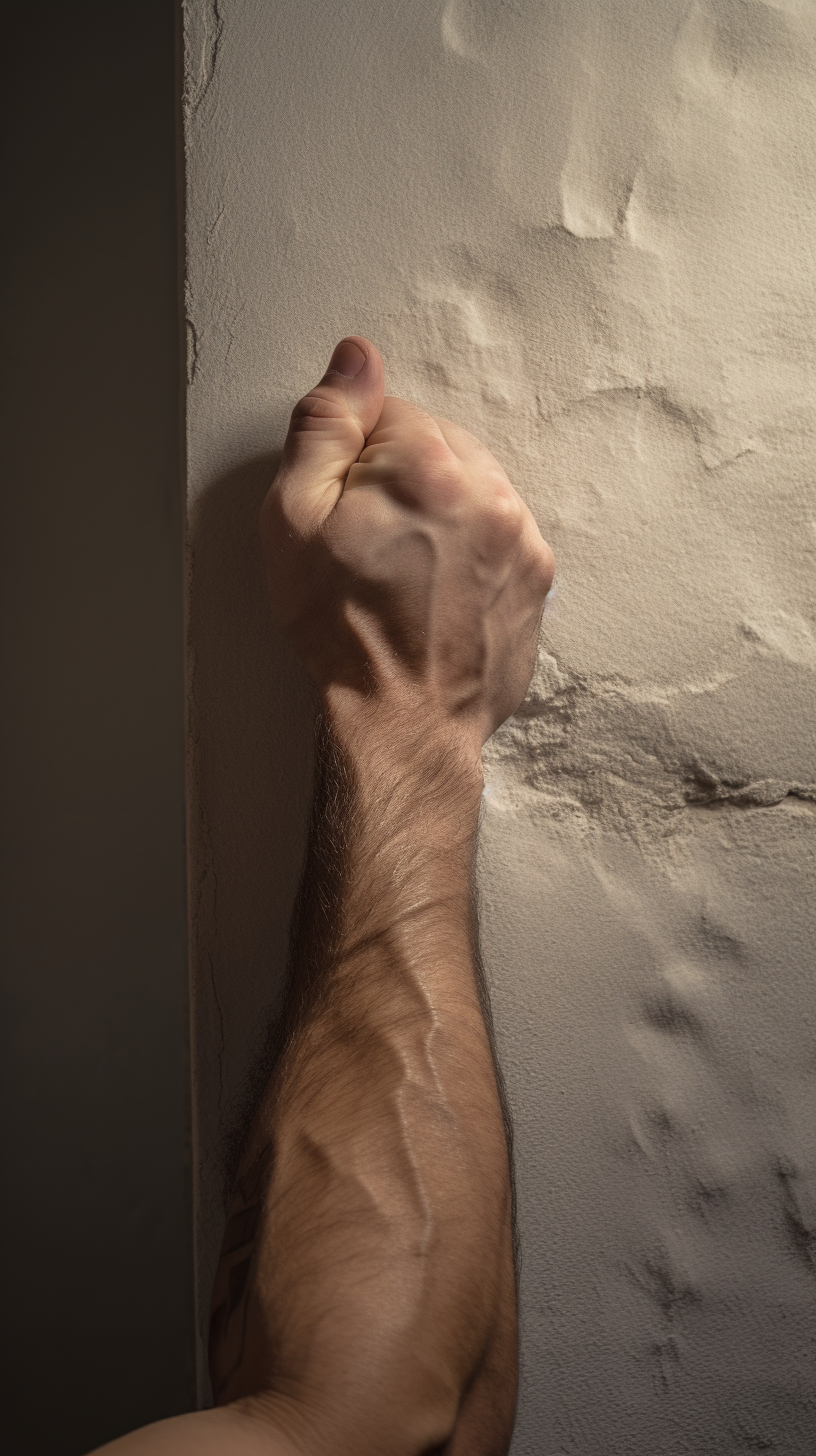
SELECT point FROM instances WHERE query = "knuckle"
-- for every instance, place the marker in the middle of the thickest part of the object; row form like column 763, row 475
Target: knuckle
column 435, row 457
column 437, row 472
column 503, row 514
column 509, row 508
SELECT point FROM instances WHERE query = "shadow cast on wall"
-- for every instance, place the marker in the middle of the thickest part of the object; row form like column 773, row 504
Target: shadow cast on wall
column 251, row 717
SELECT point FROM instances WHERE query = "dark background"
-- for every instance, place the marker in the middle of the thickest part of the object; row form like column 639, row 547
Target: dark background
column 97, row 1283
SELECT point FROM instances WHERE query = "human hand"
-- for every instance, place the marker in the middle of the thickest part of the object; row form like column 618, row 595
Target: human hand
column 401, row 562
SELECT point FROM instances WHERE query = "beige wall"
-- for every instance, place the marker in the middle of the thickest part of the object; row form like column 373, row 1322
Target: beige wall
column 583, row 229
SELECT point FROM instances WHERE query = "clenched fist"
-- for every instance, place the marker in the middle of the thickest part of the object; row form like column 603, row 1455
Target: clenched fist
column 401, row 562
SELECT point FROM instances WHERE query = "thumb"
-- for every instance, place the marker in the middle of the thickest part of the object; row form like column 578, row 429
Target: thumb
column 328, row 430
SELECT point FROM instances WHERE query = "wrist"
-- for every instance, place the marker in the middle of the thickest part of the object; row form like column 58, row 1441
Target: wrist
column 402, row 757
column 409, row 788
column 407, row 740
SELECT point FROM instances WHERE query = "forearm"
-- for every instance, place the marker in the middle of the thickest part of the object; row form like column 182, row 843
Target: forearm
column 365, row 1297
column 377, row 1167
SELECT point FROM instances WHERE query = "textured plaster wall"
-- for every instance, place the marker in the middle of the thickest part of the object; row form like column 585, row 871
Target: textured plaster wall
column 584, row 229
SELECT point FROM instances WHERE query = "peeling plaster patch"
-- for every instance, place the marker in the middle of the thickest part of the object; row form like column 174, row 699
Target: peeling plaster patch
column 628, row 756
column 466, row 355
column 192, row 351
column 203, row 35
column 613, row 127
column 706, row 789
column 784, row 633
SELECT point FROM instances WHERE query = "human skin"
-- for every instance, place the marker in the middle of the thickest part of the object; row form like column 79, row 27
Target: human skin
column 365, row 1298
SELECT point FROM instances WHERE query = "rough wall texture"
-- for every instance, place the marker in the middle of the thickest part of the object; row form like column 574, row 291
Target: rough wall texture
column 580, row 228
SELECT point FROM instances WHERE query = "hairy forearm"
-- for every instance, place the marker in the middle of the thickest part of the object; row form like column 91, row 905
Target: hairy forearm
column 374, row 1198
